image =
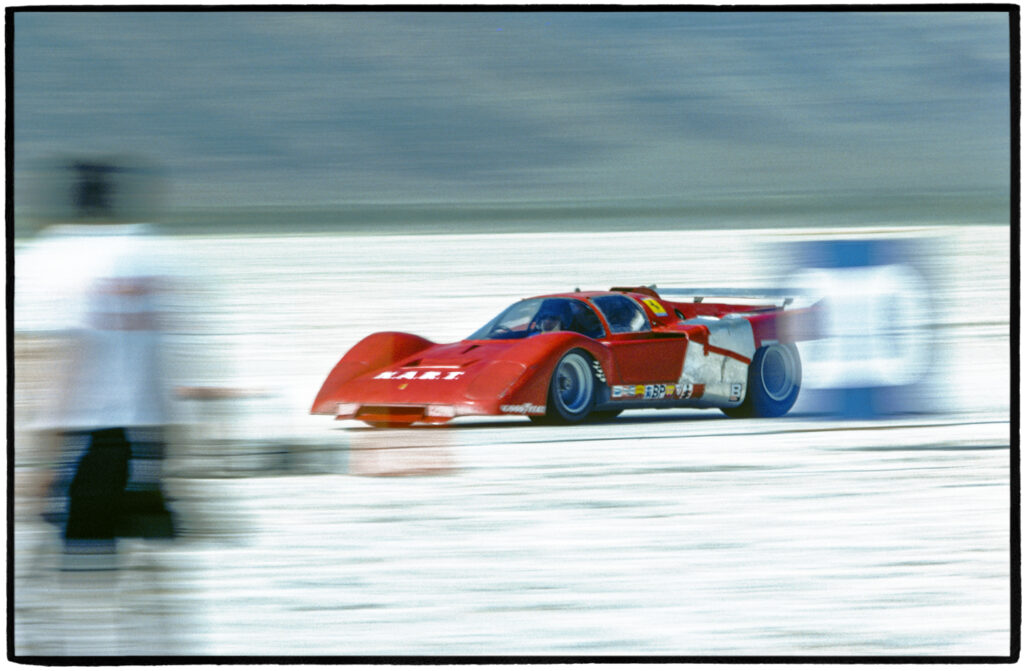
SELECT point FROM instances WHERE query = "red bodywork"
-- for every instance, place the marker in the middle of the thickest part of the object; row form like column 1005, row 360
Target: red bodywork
column 400, row 378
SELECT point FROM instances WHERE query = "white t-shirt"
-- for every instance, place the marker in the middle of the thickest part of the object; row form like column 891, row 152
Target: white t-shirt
column 99, row 289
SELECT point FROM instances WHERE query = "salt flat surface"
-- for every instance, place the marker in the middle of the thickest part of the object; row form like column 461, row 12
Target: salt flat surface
column 662, row 533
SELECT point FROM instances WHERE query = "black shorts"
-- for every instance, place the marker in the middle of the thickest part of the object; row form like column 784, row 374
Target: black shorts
column 114, row 488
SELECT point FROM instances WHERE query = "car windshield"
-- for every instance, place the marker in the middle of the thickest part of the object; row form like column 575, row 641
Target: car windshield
column 541, row 315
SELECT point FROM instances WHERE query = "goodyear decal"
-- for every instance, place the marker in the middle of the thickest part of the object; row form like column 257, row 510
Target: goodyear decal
column 523, row 409
column 656, row 307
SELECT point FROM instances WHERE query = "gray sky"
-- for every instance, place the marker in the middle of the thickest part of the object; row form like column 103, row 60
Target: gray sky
column 326, row 107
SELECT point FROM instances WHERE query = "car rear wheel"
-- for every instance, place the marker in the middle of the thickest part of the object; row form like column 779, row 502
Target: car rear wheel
column 571, row 392
column 773, row 383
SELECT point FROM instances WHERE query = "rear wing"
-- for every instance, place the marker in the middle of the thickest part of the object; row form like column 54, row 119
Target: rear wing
column 785, row 295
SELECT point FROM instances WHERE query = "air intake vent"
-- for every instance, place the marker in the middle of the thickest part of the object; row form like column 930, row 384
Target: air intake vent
column 391, row 413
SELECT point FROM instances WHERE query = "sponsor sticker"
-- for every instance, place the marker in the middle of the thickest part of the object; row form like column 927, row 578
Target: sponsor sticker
column 648, row 391
column 735, row 392
column 656, row 307
column 655, row 391
column 419, row 375
column 690, row 390
column 623, row 391
column 523, row 409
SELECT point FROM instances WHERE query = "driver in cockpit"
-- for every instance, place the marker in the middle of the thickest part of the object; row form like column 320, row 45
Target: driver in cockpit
column 553, row 316
column 550, row 322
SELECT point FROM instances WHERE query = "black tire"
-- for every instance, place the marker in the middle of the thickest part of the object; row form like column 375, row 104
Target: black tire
column 572, row 390
column 773, row 383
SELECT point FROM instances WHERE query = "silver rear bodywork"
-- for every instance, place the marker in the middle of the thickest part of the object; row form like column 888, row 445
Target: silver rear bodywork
column 724, row 377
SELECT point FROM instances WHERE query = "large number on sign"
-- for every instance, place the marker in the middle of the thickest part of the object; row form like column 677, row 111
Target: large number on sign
column 875, row 327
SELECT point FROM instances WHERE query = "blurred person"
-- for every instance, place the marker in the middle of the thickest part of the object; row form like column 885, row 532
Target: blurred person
column 95, row 287
column 93, row 188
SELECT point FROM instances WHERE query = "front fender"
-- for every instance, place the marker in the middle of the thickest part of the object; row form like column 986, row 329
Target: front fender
column 539, row 355
column 373, row 352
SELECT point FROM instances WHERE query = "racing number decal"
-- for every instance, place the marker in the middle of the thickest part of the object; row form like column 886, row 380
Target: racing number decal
column 655, row 307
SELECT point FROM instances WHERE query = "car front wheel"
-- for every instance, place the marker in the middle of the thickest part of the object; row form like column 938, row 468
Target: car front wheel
column 571, row 392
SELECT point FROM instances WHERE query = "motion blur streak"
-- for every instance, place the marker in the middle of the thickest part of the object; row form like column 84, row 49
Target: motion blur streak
column 323, row 108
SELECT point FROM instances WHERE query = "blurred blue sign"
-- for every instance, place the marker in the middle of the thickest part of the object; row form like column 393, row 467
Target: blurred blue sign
column 876, row 337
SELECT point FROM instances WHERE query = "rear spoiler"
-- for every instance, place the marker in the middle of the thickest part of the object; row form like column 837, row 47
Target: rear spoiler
column 786, row 295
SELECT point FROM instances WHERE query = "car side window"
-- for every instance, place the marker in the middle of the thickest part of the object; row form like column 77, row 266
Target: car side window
column 585, row 321
column 623, row 314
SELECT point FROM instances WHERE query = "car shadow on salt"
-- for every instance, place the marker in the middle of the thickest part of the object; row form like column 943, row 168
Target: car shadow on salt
column 688, row 416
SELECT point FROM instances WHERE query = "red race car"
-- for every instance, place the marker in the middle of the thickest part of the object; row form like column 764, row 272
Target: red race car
column 564, row 358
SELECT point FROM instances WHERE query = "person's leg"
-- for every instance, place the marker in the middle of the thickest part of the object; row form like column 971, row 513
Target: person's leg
column 96, row 494
column 146, row 512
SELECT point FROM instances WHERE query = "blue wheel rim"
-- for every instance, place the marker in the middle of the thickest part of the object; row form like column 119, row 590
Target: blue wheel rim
column 574, row 384
column 778, row 372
